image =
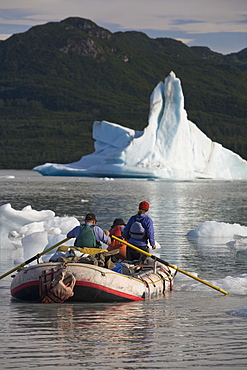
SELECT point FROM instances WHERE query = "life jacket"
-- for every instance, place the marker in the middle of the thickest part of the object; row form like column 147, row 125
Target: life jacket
column 86, row 237
column 115, row 244
column 117, row 231
column 137, row 231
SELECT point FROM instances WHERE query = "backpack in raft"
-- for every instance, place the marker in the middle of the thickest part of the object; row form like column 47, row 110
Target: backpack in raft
column 137, row 231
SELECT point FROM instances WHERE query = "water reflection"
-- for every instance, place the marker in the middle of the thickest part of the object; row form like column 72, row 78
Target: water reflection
column 133, row 335
column 81, row 332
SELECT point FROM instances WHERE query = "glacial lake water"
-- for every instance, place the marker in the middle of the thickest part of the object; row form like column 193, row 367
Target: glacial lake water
column 192, row 327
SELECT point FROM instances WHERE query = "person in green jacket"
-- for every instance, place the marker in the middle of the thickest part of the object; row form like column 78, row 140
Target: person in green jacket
column 89, row 234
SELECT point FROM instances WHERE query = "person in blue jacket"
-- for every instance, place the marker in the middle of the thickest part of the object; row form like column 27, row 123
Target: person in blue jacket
column 138, row 231
column 89, row 235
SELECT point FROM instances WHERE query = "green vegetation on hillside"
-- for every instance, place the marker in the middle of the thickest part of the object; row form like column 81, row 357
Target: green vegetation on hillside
column 58, row 78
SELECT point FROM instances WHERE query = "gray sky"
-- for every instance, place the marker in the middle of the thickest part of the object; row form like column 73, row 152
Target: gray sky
column 219, row 24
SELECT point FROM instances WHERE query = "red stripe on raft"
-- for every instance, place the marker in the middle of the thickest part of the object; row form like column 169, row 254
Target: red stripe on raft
column 23, row 286
column 85, row 284
column 109, row 290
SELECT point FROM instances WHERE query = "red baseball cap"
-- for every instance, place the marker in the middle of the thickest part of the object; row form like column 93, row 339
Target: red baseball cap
column 144, row 206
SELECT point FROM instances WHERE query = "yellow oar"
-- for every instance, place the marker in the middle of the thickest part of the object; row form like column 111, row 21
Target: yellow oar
column 37, row 256
column 168, row 264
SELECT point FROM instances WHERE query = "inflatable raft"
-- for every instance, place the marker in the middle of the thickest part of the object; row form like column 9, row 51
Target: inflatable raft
column 59, row 282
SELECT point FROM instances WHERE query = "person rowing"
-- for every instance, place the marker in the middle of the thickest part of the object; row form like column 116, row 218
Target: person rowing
column 139, row 231
column 89, row 234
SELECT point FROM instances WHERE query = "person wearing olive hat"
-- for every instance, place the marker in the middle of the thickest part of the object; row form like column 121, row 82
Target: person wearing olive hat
column 139, row 231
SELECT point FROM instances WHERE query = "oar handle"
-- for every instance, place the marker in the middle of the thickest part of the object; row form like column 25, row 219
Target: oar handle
column 168, row 264
column 33, row 258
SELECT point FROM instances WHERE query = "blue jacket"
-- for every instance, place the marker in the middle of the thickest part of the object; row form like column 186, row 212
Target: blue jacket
column 147, row 223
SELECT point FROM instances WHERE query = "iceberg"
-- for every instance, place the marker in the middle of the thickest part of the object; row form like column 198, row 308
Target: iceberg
column 31, row 231
column 170, row 147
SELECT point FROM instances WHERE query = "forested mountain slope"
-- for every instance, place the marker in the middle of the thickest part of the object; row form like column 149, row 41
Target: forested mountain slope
column 58, row 78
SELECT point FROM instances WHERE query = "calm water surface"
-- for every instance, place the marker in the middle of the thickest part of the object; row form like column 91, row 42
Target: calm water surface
column 186, row 329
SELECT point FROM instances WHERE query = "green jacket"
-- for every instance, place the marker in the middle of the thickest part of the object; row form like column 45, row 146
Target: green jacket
column 86, row 237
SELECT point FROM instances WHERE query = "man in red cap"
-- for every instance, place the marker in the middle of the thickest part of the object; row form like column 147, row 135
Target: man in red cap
column 138, row 231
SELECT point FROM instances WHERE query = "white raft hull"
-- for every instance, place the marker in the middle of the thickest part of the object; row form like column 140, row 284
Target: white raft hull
column 96, row 284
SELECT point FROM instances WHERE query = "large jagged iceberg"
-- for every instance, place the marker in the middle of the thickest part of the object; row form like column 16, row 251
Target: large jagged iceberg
column 170, row 147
